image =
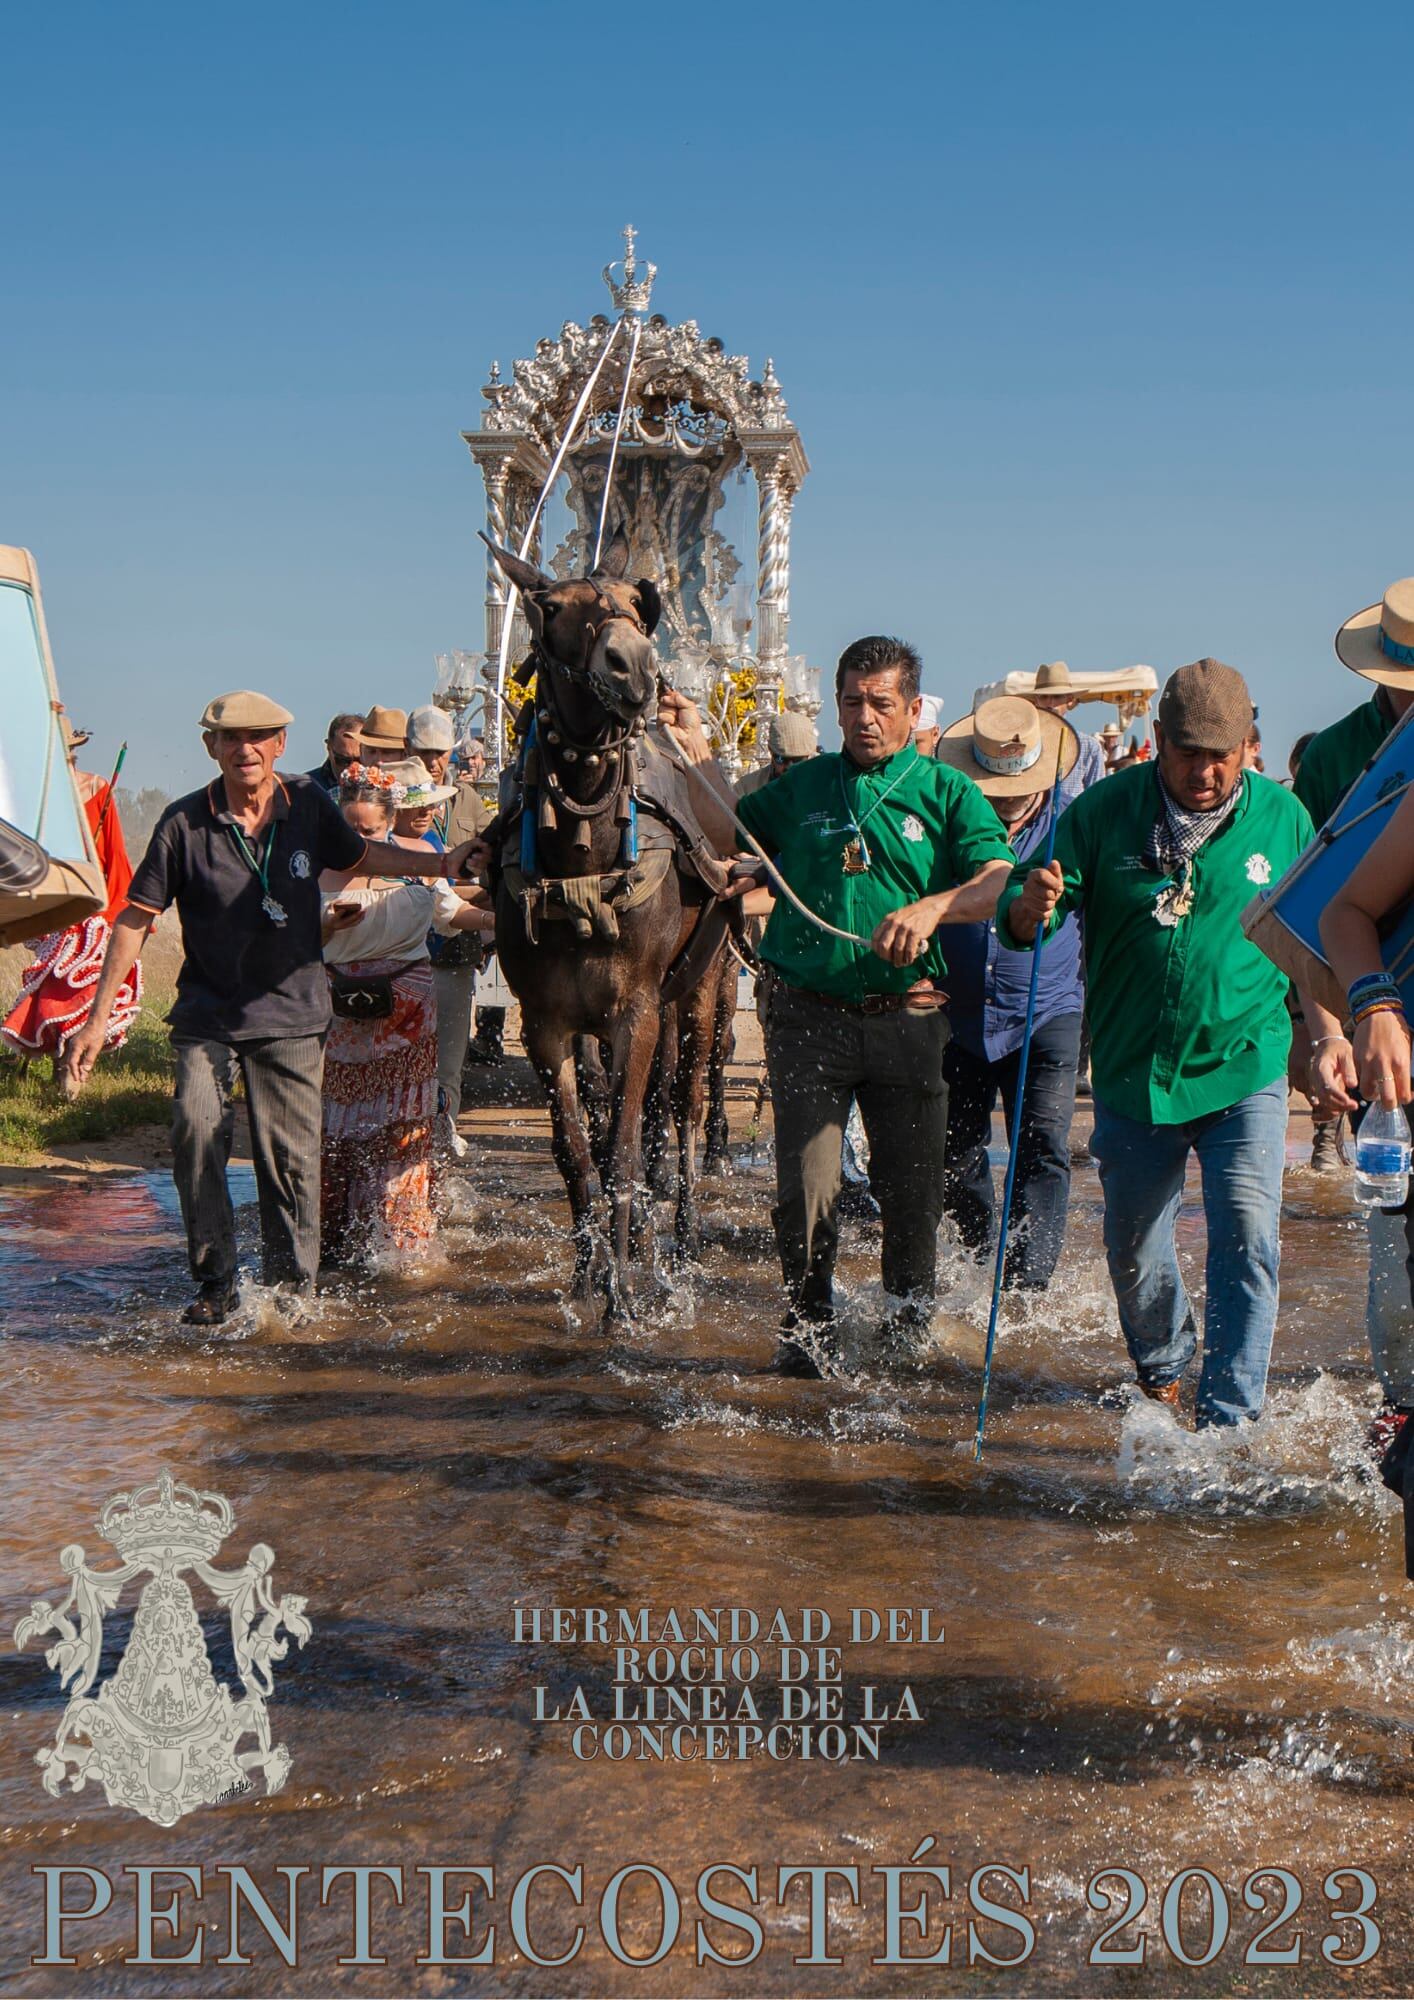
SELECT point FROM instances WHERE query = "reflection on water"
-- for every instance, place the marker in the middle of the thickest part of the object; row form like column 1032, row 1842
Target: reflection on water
column 1162, row 1649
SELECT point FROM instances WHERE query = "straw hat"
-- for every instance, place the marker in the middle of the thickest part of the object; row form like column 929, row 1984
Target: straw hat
column 1054, row 678
column 73, row 738
column 1009, row 748
column 1378, row 642
column 384, row 729
column 418, row 788
column 244, row 710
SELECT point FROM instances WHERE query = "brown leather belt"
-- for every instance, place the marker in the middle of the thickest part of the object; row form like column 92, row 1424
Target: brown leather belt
column 872, row 1003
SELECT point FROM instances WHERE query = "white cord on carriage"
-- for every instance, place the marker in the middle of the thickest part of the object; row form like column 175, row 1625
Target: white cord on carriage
column 832, row 930
column 614, row 446
column 509, row 611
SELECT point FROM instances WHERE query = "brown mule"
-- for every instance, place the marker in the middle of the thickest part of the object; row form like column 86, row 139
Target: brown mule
column 585, row 931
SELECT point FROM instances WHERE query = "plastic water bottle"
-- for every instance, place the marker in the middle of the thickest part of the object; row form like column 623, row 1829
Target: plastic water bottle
column 1382, row 1158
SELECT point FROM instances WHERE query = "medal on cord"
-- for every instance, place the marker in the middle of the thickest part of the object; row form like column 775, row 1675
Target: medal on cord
column 260, row 869
column 856, row 858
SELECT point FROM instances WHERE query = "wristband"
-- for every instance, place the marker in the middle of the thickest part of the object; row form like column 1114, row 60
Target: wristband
column 1379, row 1006
column 1369, row 985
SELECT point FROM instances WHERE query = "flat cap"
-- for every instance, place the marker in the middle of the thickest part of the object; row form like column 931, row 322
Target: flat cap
column 791, row 735
column 1206, row 706
column 245, row 710
column 430, row 728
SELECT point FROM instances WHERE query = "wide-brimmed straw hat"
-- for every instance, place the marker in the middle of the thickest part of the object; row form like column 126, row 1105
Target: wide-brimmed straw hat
column 1009, row 748
column 418, row 788
column 384, row 728
column 1378, row 642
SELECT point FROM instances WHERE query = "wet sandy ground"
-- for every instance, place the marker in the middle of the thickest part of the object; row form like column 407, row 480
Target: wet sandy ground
column 1162, row 1651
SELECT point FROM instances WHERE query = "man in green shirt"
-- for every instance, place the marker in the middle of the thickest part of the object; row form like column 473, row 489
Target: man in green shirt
column 888, row 846
column 1189, row 1029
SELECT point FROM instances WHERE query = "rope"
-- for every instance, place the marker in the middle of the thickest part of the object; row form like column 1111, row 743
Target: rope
column 512, row 594
column 831, row 930
column 1017, row 1120
column 614, row 447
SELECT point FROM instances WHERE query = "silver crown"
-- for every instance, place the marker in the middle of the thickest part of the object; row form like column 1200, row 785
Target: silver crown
column 154, row 1518
column 633, row 294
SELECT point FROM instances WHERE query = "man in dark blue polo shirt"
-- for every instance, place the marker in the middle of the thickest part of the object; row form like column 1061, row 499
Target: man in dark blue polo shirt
column 341, row 747
column 241, row 860
column 1010, row 749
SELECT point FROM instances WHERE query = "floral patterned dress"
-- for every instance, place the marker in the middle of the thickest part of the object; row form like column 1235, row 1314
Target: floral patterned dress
column 378, row 1179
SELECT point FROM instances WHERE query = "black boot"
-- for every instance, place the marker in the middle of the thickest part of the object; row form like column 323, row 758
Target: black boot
column 799, row 1357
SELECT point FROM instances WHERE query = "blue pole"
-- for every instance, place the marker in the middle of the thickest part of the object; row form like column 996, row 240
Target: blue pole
column 1018, row 1114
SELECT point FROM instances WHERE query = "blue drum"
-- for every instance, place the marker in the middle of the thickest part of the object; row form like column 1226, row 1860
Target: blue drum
column 1284, row 921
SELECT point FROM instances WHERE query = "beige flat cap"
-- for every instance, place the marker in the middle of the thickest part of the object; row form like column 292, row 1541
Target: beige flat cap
column 384, row 728
column 245, row 710
column 791, row 735
column 430, row 728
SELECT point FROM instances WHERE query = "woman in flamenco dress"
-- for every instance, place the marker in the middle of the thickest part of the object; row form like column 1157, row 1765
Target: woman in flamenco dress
column 56, row 993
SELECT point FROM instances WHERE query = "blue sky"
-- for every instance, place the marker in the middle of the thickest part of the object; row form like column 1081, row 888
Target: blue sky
column 1096, row 321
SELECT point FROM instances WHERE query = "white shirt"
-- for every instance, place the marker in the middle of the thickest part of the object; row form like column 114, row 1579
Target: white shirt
column 397, row 916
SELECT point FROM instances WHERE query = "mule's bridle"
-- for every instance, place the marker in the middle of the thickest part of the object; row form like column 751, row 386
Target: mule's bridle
column 552, row 735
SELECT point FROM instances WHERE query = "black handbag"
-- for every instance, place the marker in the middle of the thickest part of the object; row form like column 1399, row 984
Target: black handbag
column 360, row 997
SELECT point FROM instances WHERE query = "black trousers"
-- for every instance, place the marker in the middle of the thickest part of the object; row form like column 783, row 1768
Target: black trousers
column 1042, row 1192
column 819, row 1058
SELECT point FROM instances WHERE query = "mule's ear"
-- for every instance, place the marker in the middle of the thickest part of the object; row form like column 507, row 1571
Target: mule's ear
column 524, row 575
column 650, row 604
column 614, row 561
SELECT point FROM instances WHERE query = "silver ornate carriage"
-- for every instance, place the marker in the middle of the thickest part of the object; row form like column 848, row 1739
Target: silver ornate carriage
column 671, row 419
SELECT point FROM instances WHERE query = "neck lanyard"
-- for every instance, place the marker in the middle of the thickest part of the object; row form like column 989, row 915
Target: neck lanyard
column 857, row 858
column 259, row 867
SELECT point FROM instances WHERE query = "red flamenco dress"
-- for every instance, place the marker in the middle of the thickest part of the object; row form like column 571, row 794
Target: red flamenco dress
column 56, row 994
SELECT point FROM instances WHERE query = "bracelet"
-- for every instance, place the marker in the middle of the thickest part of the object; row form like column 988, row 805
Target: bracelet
column 1373, row 1007
column 1370, row 984
column 1321, row 1039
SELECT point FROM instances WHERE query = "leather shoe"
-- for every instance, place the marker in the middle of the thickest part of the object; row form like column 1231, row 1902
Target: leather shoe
column 1168, row 1392
column 212, row 1306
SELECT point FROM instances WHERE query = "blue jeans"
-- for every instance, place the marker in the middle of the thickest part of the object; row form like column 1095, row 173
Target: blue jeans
column 1240, row 1155
column 1043, row 1165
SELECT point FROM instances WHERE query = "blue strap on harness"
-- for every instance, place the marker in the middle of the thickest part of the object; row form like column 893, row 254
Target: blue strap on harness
column 530, row 807
column 629, row 850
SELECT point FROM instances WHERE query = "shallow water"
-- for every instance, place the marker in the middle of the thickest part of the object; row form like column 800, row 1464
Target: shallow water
column 1163, row 1651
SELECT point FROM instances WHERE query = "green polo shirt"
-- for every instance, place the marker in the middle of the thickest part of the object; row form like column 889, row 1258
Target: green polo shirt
column 927, row 828
column 1187, row 1020
column 1334, row 758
